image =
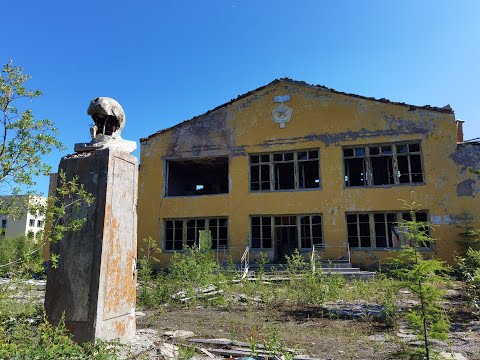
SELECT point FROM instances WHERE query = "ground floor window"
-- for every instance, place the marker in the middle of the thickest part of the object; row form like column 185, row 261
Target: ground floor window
column 380, row 229
column 289, row 231
column 183, row 233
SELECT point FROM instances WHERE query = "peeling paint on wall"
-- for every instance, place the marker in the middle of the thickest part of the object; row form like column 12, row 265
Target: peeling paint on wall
column 323, row 117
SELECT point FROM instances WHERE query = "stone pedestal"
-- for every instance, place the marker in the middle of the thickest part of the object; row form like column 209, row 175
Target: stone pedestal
column 94, row 285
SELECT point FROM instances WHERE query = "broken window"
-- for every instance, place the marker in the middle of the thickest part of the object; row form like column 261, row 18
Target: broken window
column 355, row 167
column 285, row 171
column 183, row 233
column 308, row 169
column 197, row 177
column 379, row 229
column 194, row 226
column 383, row 165
column 421, row 217
column 307, row 228
column 218, row 231
column 409, row 163
column 386, row 230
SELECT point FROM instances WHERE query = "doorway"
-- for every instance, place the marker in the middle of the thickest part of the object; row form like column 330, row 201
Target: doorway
column 286, row 237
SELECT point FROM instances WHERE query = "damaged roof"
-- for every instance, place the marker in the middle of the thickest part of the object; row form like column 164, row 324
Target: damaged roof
column 446, row 109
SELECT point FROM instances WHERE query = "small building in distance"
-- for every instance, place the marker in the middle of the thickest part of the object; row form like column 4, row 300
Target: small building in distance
column 23, row 222
column 292, row 166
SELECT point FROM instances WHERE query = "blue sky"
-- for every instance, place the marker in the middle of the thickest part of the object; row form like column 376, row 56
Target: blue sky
column 167, row 61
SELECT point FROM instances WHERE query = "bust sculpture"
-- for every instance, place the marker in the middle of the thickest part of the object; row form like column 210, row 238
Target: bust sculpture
column 109, row 120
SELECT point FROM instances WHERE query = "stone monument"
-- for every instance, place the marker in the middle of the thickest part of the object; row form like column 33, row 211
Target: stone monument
column 94, row 284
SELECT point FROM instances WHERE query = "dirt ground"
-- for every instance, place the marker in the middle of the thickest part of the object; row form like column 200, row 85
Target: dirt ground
column 300, row 329
column 313, row 333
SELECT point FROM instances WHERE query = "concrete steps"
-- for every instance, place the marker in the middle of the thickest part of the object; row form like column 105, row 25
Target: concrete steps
column 278, row 272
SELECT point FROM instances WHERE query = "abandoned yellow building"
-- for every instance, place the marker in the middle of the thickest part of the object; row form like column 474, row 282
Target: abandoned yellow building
column 295, row 166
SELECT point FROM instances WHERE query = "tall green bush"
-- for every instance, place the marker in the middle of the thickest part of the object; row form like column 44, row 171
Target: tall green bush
column 422, row 277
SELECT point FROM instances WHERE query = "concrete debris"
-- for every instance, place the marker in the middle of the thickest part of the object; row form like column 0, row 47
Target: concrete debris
column 168, row 351
column 352, row 310
column 205, row 292
column 179, row 334
column 453, row 356
column 143, row 343
column 378, row 337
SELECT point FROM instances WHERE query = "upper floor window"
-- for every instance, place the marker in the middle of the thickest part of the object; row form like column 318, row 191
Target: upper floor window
column 380, row 229
column 202, row 176
column 285, row 171
column 31, row 222
column 383, row 164
column 183, row 233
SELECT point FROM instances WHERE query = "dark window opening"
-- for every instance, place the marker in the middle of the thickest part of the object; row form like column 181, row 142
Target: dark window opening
column 307, row 228
column 197, row 177
column 284, row 176
column 355, row 174
column 382, row 170
column 261, row 232
column 383, row 165
column 308, row 170
column 310, row 230
column 386, row 231
column 403, row 173
column 285, row 171
column 180, row 234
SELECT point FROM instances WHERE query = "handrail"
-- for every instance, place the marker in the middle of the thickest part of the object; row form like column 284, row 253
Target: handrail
column 245, row 263
column 224, row 249
column 348, row 252
column 312, row 260
column 322, row 247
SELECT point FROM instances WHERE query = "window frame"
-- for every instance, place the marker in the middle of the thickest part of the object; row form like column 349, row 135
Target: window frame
column 372, row 231
column 185, row 228
column 368, row 182
column 298, row 226
column 271, row 170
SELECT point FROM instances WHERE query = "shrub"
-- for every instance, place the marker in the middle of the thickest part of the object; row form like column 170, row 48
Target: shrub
column 45, row 341
column 422, row 277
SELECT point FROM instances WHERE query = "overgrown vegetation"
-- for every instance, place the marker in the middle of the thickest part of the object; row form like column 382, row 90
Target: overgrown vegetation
column 422, row 276
column 469, row 259
column 23, row 144
column 24, row 140
column 24, row 340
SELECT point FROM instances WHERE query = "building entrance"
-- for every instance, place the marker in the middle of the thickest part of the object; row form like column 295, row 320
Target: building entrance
column 286, row 237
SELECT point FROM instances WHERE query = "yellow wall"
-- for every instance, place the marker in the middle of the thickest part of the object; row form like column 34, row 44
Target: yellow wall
column 321, row 119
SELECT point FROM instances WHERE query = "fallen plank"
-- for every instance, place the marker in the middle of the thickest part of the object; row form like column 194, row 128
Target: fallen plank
column 238, row 353
column 213, row 293
column 206, row 352
column 228, row 342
